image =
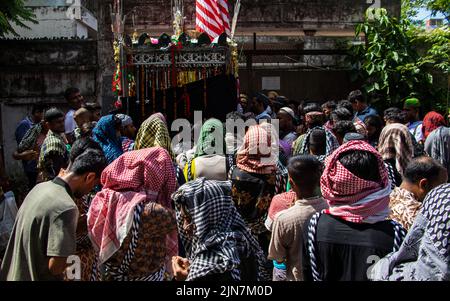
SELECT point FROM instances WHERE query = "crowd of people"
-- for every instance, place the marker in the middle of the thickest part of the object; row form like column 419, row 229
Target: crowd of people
column 340, row 192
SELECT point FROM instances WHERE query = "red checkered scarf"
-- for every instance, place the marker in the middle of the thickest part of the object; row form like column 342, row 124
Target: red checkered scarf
column 432, row 121
column 349, row 197
column 145, row 175
column 254, row 155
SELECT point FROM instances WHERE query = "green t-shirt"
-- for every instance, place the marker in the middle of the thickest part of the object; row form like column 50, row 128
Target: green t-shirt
column 45, row 227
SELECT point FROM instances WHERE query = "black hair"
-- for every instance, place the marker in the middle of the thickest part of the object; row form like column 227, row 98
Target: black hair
column 346, row 104
column 362, row 164
column 423, row 168
column 375, row 121
column 318, row 141
column 81, row 145
column 312, row 107
column 330, row 105
column 261, row 98
column 38, row 107
column 305, row 171
column 356, row 95
column 343, row 127
column 52, row 114
column 69, row 92
column 235, row 115
column 341, row 114
column 394, row 115
column 91, row 160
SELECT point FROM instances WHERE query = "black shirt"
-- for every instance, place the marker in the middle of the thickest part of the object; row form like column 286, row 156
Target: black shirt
column 345, row 250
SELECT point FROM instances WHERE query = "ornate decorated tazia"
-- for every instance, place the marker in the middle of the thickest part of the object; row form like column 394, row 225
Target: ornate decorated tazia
column 159, row 72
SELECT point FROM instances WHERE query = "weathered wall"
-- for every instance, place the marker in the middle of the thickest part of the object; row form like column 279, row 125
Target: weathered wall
column 40, row 70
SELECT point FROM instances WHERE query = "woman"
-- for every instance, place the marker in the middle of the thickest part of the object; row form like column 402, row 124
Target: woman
column 217, row 242
column 425, row 253
column 107, row 134
column 256, row 178
column 131, row 223
column 210, row 159
column 340, row 240
column 432, row 121
column 154, row 132
column 396, row 148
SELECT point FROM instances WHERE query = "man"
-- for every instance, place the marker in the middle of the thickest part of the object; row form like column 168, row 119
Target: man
column 286, row 241
column 44, row 232
column 127, row 132
column 242, row 104
column 53, row 155
column 75, row 101
column 81, row 117
column 259, row 105
column 342, row 128
column 360, row 105
column 328, row 108
column 29, row 157
column 412, row 108
column 339, row 241
column 420, row 177
column 437, row 146
column 286, row 118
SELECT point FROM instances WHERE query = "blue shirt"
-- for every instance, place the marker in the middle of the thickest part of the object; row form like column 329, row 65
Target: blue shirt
column 21, row 130
column 263, row 115
column 369, row 111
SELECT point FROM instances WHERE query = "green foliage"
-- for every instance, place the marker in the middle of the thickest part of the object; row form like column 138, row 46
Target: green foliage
column 13, row 11
column 398, row 60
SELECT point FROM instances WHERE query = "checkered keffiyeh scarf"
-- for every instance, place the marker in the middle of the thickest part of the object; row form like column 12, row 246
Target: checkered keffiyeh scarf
column 220, row 238
column 396, row 143
column 425, row 252
column 53, row 144
column 29, row 140
column 351, row 198
column 135, row 177
column 207, row 142
column 259, row 152
column 153, row 132
column 105, row 134
column 331, row 143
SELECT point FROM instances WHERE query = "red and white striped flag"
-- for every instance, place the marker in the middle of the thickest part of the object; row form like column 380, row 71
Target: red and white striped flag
column 212, row 17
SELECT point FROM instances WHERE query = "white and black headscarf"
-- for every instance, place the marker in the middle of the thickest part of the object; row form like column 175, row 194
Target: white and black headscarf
column 425, row 252
column 220, row 238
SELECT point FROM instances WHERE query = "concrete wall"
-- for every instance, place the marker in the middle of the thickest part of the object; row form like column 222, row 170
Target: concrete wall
column 58, row 19
column 40, row 70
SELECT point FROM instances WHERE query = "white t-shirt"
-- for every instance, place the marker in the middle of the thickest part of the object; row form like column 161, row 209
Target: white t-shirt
column 69, row 122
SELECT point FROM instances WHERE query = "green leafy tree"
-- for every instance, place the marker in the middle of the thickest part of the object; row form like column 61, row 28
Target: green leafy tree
column 14, row 12
column 399, row 60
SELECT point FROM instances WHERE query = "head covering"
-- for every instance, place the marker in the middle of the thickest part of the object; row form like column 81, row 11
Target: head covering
column 29, row 140
column 221, row 238
column 259, row 152
column 126, row 120
column 425, row 253
column 350, row 197
column 412, row 103
column 437, row 146
column 135, row 177
column 153, row 132
column 104, row 134
column 288, row 111
column 331, row 143
column 353, row 136
column 432, row 121
column 314, row 117
column 207, row 142
column 396, row 143
column 159, row 116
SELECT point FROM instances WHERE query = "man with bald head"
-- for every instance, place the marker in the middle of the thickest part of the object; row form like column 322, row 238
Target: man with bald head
column 421, row 175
